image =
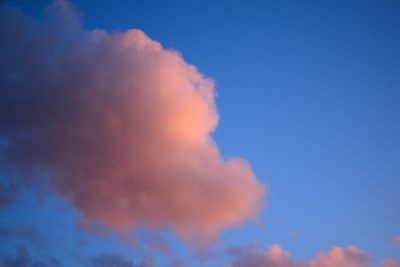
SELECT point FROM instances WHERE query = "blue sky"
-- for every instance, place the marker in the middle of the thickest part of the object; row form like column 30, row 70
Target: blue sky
column 308, row 93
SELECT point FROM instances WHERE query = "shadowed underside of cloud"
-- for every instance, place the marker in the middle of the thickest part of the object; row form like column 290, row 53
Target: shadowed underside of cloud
column 22, row 258
column 120, row 126
column 8, row 191
column 275, row 256
column 24, row 232
column 117, row 260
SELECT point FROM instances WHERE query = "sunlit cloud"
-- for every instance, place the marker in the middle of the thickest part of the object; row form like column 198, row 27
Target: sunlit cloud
column 119, row 126
column 275, row 256
column 390, row 263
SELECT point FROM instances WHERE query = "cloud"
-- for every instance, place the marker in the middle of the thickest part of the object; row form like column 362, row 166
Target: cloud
column 120, row 126
column 390, row 263
column 275, row 256
column 22, row 258
column 395, row 240
column 7, row 193
column 118, row 260
column 154, row 242
column 342, row 257
column 23, row 232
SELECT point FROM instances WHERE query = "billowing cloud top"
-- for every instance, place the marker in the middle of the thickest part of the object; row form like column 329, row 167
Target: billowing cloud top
column 119, row 125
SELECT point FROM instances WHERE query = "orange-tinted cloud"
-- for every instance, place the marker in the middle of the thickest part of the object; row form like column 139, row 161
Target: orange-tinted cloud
column 120, row 126
column 342, row 257
column 275, row 256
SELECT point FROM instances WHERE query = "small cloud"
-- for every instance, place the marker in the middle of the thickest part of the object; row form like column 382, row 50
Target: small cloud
column 177, row 263
column 205, row 254
column 395, row 240
column 390, row 263
column 275, row 256
column 350, row 256
column 118, row 260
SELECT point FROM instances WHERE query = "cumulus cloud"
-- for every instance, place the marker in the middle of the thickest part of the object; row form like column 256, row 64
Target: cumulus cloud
column 275, row 256
column 120, row 126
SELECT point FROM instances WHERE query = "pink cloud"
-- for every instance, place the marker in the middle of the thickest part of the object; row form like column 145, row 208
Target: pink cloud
column 275, row 256
column 341, row 257
column 390, row 263
column 395, row 240
column 120, row 126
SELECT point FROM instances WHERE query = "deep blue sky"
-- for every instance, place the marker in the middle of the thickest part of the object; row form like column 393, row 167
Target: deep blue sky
column 308, row 93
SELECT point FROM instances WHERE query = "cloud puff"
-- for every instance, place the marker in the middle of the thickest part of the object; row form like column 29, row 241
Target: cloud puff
column 275, row 256
column 120, row 126
column 117, row 260
column 395, row 240
column 390, row 263
column 342, row 257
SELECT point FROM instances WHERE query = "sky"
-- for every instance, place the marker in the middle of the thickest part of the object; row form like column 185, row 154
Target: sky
column 200, row 133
